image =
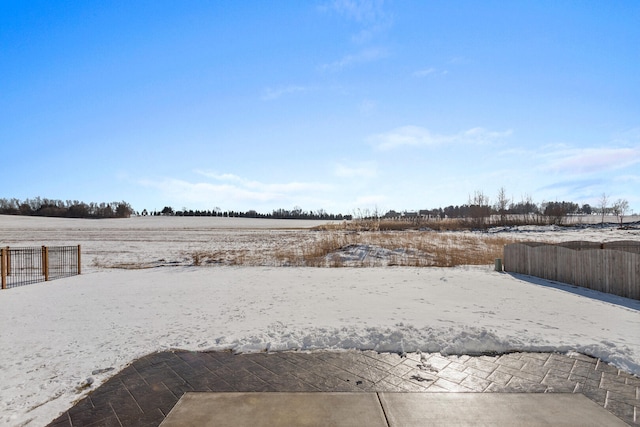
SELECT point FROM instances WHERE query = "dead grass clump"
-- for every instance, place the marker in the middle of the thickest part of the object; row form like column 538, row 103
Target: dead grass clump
column 240, row 257
column 323, row 250
column 197, row 258
column 121, row 265
column 397, row 225
column 452, row 249
column 130, row 265
column 335, row 261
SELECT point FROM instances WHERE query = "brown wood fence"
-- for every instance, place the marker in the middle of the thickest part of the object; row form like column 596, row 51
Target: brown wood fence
column 612, row 267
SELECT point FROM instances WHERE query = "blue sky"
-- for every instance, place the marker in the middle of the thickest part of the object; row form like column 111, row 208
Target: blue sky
column 335, row 105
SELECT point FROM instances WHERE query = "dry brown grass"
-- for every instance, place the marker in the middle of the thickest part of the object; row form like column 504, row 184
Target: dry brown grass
column 404, row 248
column 435, row 224
column 333, row 246
column 384, row 224
column 120, row 265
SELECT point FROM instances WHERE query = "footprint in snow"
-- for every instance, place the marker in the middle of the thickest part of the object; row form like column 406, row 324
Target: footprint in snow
column 101, row 371
column 427, row 367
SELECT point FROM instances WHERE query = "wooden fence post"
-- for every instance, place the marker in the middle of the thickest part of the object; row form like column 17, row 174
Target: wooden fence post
column 79, row 260
column 3, row 267
column 45, row 263
column 8, row 255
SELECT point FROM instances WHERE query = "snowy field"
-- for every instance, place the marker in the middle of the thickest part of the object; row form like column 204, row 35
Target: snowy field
column 142, row 242
column 55, row 335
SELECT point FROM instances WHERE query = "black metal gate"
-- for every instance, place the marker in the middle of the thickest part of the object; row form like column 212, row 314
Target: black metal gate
column 23, row 266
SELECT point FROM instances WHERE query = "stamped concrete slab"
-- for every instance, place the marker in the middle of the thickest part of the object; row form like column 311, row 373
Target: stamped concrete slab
column 276, row 409
column 144, row 392
column 492, row 409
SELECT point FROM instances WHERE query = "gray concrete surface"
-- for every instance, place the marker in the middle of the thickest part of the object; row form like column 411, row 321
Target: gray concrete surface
column 387, row 410
column 144, row 393
column 495, row 409
column 276, row 409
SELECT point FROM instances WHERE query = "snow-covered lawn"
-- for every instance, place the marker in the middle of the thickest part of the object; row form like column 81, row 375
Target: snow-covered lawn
column 55, row 335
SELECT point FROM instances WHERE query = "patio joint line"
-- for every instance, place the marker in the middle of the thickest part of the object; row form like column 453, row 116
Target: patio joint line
column 386, row 418
column 116, row 414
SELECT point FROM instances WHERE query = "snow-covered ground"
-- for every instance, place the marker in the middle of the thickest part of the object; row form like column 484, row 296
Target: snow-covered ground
column 55, row 335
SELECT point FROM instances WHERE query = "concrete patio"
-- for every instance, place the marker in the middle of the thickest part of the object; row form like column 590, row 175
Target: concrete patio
column 144, row 393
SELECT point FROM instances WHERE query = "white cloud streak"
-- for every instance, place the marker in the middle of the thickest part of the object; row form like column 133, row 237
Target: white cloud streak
column 364, row 56
column 431, row 71
column 203, row 192
column 269, row 93
column 591, row 160
column 267, row 188
column 362, row 170
column 416, row 136
column 232, row 189
column 359, row 10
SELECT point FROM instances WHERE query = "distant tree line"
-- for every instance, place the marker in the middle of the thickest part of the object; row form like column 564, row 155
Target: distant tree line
column 520, row 208
column 295, row 213
column 479, row 212
column 64, row 209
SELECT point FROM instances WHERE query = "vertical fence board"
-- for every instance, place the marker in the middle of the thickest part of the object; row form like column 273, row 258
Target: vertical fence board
column 8, row 262
column 45, row 263
column 612, row 267
column 3, row 267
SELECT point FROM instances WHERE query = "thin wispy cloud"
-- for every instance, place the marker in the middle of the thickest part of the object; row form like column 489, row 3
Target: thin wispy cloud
column 431, row 71
column 459, row 60
column 628, row 178
column 365, row 11
column 592, row 160
column 361, row 170
column 207, row 193
column 416, row 136
column 370, row 19
column 575, row 187
column 630, row 137
column 267, row 188
column 220, row 176
column 364, row 56
column 270, row 93
column 229, row 189
column 367, row 107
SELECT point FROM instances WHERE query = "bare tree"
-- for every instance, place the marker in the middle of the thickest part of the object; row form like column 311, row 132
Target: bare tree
column 604, row 201
column 502, row 203
column 479, row 209
column 620, row 208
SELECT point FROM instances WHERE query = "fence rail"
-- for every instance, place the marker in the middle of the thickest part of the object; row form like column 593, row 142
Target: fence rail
column 23, row 266
column 612, row 267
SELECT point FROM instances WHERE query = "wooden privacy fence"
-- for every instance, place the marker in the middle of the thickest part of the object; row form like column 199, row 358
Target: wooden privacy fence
column 23, row 266
column 612, row 267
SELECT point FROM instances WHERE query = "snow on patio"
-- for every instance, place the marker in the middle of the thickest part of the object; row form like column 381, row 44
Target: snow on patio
column 56, row 335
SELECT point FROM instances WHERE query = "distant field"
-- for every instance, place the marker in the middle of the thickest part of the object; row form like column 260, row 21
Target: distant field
column 143, row 242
